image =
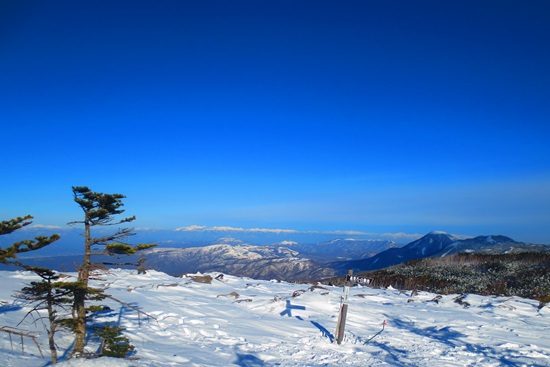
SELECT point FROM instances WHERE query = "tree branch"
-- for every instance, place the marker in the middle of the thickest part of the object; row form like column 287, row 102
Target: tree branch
column 121, row 233
column 22, row 334
column 8, row 226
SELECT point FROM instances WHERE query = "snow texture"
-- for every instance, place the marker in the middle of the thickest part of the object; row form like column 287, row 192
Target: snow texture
column 244, row 322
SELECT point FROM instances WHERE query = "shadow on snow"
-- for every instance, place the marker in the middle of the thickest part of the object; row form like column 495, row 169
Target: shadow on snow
column 288, row 312
column 453, row 339
column 249, row 360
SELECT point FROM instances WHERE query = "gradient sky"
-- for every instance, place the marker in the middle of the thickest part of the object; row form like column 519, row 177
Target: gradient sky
column 376, row 116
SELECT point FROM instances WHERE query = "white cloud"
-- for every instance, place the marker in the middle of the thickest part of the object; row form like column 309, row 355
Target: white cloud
column 44, row 226
column 399, row 236
column 233, row 229
column 226, row 228
column 191, row 228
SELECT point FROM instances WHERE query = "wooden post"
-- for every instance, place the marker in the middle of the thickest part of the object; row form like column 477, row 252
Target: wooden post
column 341, row 325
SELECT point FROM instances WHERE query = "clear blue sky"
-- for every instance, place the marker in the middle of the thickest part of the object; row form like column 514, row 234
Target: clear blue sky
column 376, row 116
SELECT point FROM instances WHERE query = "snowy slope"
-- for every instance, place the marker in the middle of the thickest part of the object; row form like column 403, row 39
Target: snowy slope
column 284, row 324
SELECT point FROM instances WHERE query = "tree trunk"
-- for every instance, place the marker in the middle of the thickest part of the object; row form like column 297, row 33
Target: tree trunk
column 80, row 294
column 53, row 350
column 80, row 326
column 52, row 329
column 84, row 270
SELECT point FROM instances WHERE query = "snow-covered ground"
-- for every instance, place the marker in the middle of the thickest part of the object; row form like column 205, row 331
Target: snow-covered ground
column 245, row 322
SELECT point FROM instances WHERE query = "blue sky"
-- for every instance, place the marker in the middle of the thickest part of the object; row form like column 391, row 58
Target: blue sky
column 375, row 116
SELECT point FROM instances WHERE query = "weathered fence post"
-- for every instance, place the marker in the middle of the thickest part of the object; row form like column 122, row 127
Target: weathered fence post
column 341, row 325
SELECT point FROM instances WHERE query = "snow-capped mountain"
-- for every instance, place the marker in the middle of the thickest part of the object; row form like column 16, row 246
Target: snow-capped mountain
column 290, row 260
column 355, row 244
column 431, row 243
column 490, row 245
column 437, row 243
column 259, row 262
column 287, row 260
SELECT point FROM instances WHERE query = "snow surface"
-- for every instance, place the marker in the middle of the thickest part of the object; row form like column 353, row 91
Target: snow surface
column 284, row 324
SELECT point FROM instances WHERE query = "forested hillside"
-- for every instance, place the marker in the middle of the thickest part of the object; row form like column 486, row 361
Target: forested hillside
column 523, row 274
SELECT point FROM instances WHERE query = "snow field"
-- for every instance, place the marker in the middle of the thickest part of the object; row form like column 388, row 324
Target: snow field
column 244, row 322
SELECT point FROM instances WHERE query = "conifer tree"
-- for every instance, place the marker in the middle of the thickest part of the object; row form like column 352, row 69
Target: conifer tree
column 99, row 210
column 50, row 295
column 9, row 254
column 42, row 292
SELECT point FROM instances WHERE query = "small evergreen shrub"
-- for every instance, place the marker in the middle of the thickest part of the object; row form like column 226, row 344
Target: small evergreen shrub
column 113, row 343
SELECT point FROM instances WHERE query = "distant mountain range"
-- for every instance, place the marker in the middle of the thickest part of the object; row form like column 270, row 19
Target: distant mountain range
column 257, row 262
column 284, row 261
column 71, row 241
column 437, row 244
column 289, row 260
column 307, row 262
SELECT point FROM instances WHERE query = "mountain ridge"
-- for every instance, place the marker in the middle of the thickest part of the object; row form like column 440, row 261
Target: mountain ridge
column 293, row 261
column 438, row 244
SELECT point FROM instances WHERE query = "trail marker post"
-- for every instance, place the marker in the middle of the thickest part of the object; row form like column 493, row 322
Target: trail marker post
column 341, row 324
